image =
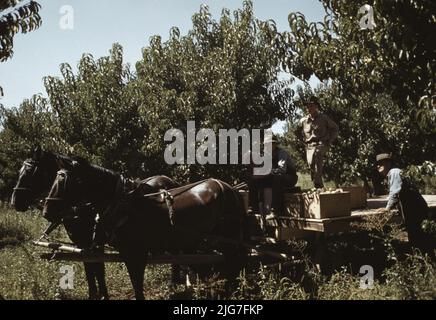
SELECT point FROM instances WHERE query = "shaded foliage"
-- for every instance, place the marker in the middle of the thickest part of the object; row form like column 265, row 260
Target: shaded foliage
column 368, row 126
column 22, row 128
column 222, row 74
column 397, row 57
column 16, row 17
column 378, row 84
column 226, row 74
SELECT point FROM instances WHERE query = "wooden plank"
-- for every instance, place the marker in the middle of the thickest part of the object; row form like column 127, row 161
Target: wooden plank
column 269, row 240
column 69, row 253
column 431, row 200
column 307, row 224
column 58, row 246
column 77, row 257
column 183, row 259
column 180, row 259
column 326, row 225
column 289, row 233
column 381, row 201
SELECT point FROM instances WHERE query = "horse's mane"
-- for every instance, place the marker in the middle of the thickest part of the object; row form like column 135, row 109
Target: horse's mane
column 95, row 169
column 53, row 156
column 48, row 156
column 104, row 171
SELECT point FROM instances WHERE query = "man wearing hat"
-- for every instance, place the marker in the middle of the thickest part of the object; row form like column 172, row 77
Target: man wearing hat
column 412, row 205
column 317, row 131
column 283, row 175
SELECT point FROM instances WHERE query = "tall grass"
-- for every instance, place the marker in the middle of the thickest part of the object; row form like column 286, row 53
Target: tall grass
column 16, row 228
column 23, row 275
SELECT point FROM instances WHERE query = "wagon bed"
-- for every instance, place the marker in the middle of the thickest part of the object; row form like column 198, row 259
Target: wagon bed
column 337, row 224
column 286, row 228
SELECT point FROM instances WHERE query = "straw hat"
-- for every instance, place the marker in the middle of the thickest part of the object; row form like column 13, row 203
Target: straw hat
column 383, row 156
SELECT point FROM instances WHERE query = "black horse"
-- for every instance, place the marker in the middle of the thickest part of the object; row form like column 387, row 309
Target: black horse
column 35, row 178
column 176, row 220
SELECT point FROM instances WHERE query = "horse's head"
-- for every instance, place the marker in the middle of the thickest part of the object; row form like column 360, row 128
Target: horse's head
column 78, row 183
column 33, row 179
column 68, row 190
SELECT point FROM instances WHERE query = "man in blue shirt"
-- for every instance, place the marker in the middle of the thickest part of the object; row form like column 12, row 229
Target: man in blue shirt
column 410, row 202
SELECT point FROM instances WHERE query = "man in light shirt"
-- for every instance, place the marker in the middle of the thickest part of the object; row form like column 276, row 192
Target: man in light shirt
column 406, row 197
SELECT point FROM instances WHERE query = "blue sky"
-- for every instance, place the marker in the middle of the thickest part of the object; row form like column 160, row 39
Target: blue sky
column 100, row 23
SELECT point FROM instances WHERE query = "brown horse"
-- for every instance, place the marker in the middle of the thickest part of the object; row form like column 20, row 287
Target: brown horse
column 180, row 219
column 36, row 176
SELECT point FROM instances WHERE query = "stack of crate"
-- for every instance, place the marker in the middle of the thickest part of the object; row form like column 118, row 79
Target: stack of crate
column 321, row 205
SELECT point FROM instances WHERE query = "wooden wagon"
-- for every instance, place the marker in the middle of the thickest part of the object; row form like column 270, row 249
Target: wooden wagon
column 294, row 225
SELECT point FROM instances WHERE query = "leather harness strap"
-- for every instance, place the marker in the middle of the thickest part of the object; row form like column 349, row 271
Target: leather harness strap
column 119, row 190
column 176, row 191
column 169, row 200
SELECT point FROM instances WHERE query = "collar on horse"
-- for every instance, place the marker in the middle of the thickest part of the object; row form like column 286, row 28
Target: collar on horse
column 118, row 193
column 31, row 164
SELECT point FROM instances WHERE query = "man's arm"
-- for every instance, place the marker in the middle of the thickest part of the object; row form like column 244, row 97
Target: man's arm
column 395, row 184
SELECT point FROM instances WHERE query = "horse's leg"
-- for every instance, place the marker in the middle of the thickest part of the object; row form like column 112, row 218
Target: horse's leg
column 175, row 274
column 90, row 278
column 101, row 280
column 136, row 267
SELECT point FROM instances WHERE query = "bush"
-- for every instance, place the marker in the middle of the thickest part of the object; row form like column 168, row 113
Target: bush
column 423, row 176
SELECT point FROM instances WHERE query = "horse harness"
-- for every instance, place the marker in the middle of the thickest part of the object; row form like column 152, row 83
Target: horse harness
column 121, row 190
column 31, row 164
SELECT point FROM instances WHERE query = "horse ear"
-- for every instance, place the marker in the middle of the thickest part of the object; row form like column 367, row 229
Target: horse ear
column 37, row 153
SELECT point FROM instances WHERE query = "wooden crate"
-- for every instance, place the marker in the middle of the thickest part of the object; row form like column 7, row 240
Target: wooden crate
column 357, row 195
column 327, row 205
column 287, row 233
column 293, row 205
